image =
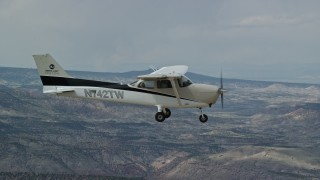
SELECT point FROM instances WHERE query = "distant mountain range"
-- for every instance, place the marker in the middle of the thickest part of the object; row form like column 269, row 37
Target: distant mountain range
column 27, row 75
column 267, row 130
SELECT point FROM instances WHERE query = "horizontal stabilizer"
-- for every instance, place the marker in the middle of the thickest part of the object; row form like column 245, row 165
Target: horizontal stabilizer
column 56, row 89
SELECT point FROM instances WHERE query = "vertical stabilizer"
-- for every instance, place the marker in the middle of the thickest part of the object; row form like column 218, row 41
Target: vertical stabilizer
column 51, row 73
column 47, row 66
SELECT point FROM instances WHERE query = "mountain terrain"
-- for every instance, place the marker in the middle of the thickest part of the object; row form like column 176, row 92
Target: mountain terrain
column 267, row 130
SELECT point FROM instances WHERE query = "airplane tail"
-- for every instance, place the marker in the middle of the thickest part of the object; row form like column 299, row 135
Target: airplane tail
column 47, row 66
column 51, row 73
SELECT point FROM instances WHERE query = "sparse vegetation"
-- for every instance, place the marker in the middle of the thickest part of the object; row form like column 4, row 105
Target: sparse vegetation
column 267, row 130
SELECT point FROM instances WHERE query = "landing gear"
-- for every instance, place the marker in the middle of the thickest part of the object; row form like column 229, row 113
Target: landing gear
column 203, row 117
column 162, row 114
column 167, row 112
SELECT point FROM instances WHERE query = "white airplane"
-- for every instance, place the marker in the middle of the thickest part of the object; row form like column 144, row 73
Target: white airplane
column 164, row 88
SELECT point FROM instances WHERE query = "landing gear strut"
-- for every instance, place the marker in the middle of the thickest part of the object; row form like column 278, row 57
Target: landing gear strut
column 203, row 117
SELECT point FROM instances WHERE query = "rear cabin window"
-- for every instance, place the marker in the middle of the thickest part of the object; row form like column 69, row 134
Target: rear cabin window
column 161, row 84
column 147, row 84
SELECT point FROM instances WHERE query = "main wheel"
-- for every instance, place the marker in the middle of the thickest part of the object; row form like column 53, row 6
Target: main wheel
column 203, row 118
column 160, row 116
column 167, row 113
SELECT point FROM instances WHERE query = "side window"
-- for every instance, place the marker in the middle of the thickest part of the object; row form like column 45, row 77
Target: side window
column 147, row 84
column 161, row 84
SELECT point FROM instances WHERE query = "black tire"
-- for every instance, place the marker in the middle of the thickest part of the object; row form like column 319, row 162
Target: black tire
column 160, row 116
column 167, row 114
column 203, row 118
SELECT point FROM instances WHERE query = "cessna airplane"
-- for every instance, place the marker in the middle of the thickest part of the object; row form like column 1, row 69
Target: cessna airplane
column 164, row 88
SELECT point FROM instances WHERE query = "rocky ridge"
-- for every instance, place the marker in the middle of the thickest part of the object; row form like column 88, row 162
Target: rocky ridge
column 266, row 131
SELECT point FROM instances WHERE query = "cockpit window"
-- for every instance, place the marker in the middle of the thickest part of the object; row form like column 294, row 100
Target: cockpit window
column 147, row 84
column 184, row 82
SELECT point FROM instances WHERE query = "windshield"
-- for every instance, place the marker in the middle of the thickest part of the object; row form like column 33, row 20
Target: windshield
column 184, row 82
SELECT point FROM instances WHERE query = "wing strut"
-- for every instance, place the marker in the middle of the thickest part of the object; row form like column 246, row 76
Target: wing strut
column 174, row 87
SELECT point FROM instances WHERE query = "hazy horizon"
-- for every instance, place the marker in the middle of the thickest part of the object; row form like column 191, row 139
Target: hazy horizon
column 197, row 73
column 253, row 39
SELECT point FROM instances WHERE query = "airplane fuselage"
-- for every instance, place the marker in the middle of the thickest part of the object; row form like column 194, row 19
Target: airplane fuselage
column 191, row 97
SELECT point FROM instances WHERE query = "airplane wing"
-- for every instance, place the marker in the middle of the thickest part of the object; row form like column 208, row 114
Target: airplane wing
column 166, row 72
column 171, row 73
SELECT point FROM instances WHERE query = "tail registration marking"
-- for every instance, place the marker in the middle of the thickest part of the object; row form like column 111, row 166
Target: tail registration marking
column 105, row 94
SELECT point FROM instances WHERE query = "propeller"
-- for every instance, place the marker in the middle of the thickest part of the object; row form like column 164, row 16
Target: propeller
column 221, row 90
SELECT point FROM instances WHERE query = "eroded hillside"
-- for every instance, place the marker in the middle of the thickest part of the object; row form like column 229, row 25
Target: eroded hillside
column 266, row 130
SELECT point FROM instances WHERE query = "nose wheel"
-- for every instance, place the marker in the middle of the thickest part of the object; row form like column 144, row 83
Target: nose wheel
column 203, row 117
